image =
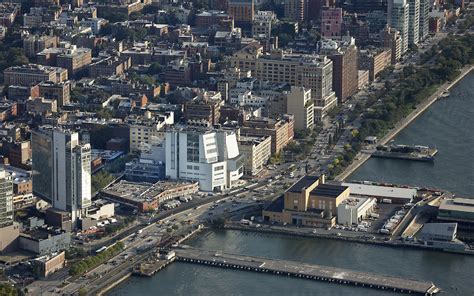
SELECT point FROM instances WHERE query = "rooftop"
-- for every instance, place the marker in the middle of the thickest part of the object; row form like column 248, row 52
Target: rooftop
column 142, row 191
column 457, row 204
column 277, row 205
column 381, row 191
column 329, row 190
column 303, row 183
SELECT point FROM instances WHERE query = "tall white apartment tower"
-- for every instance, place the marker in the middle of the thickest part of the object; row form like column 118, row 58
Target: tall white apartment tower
column 62, row 170
column 398, row 18
column 414, row 21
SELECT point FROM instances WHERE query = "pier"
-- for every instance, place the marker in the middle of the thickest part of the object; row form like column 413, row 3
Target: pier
column 305, row 271
column 149, row 268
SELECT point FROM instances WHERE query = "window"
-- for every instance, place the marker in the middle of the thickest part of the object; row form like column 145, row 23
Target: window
column 193, row 148
column 218, row 168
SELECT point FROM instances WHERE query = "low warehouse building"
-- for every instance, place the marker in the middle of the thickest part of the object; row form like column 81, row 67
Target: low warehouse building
column 353, row 210
column 45, row 265
column 146, row 196
column 395, row 194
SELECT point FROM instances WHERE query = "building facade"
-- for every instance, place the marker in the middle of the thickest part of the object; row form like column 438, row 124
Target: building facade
column 257, row 152
column 295, row 10
column 414, row 21
column 344, row 56
column 424, row 29
column 308, row 202
column 309, row 71
column 331, row 22
column 6, row 199
column 28, row 74
column 280, row 130
column 243, row 11
column 208, row 156
column 399, row 19
column 62, row 170
column 391, row 39
column 301, row 106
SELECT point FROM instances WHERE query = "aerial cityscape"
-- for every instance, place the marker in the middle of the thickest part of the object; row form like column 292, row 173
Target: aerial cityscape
column 236, row 147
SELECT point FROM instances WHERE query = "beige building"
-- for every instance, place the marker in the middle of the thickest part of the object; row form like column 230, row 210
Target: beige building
column 26, row 75
column 280, row 130
column 46, row 265
column 300, row 104
column 257, row 151
column 73, row 59
column 309, row 202
column 61, row 92
column 34, row 44
column 110, row 66
column 309, row 71
column 41, row 105
column 148, row 131
column 391, row 39
column 375, row 61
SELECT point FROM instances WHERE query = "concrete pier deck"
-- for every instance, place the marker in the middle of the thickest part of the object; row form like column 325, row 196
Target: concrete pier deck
column 305, row 271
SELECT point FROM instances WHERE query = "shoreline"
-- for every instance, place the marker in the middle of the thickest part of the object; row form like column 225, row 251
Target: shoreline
column 422, row 107
column 393, row 244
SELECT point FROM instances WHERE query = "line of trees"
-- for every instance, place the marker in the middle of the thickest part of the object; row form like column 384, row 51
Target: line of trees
column 91, row 262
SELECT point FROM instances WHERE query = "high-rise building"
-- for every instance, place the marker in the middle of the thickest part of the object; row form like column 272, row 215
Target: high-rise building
column 424, row 18
column 413, row 21
column 398, row 18
column 242, row 11
column 313, row 13
column 300, row 104
column 391, row 39
column 294, row 10
column 208, row 156
column 62, row 170
column 344, row 56
column 6, row 199
column 331, row 22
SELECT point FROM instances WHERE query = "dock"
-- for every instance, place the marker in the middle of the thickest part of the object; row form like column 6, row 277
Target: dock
column 305, row 271
column 149, row 268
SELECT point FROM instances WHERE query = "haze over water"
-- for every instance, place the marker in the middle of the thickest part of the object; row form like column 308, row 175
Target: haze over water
column 447, row 125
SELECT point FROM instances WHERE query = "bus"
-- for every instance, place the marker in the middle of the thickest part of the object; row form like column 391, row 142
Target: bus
column 101, row 250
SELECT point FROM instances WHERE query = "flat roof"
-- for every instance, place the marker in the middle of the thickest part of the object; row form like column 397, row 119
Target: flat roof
column 381, row 191
column 329, row 190
column 451, row 205
column 303, row 183
column 277, row 205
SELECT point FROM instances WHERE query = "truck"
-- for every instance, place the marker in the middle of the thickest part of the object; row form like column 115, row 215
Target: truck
column 387, row 200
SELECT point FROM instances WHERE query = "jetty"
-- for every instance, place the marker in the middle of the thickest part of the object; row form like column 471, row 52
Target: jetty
column 305, row 271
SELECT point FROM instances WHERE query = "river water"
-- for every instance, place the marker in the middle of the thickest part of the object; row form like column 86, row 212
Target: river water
column 447, row 125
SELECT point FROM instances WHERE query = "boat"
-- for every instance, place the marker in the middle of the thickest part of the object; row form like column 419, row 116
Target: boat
column 445, row 94
column 415, row 152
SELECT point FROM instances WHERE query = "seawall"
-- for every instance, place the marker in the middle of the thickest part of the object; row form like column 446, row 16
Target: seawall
column 422, row 107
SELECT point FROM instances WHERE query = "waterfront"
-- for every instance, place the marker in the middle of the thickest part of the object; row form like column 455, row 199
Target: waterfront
column 446, row 126
column 446, row 270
